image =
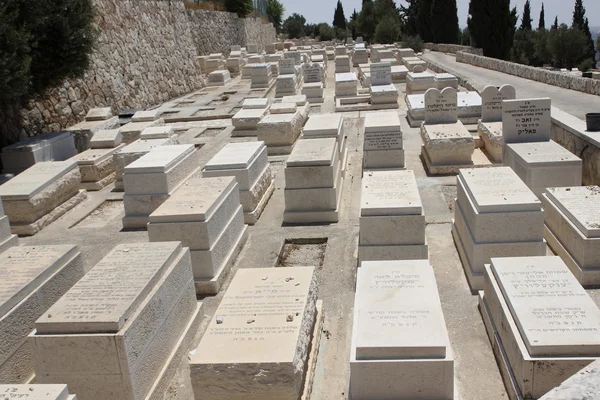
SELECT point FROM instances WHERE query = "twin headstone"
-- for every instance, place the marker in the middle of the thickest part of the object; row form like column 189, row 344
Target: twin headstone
column 441, row 106
column 491, row 101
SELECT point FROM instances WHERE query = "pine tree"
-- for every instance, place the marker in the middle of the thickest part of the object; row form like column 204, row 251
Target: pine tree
column 526, row 19
column 555, row 24
column 366, row 22
column 339, row 19
column 582, row 23
column 424, row 20
column 542, row 23
column 444, row 21
column 491, row 26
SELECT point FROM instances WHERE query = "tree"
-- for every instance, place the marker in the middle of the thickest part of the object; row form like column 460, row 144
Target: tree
column 409, row 17
column 444, row 21
column 491, row 26
column 465, row 37
column 555, row 24
column 424, row 20
column 275, row 12
column 352, row 24
column 294, row 26
column 542, row 22
column 541, row 51
column 526, row 19
column 581, row 22
column 388, row 30
column 339, row 19
column 366, row 22
column 41, row 44
column 566, row 45
column 385, row 8
column 241, row 7
column 326, row 32
column 311, row 30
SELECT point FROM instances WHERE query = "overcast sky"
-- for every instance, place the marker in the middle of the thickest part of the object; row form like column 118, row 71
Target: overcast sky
column 317, row 11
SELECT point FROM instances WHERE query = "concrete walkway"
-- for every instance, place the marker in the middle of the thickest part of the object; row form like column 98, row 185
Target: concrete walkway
column 571, row 101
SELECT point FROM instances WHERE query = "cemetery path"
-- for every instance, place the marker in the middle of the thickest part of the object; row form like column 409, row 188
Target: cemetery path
column 571, row 101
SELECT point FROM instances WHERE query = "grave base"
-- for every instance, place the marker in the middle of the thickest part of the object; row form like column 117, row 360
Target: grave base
column 474, row 279
column 99, row 185
column 56, row 213
column 393, row 252
column 315, row 100
column 361, row 103
column 383, row 159
column 316, row 216
column 525, row 377
column 222, row 83
column 251, row 218
column 315, row 342
column 243, row 133
column 588, row 277
column 13, row 240
column 415, row 121
column 479, row 160
column 491, row 134
column 213, row 285
column 186, row 342
column 280, row 150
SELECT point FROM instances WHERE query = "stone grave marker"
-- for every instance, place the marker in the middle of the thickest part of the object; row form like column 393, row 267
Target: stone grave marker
column 381, row 74
column 313, row 73
column 491, row 101
column 526, row 120
column 441, row 106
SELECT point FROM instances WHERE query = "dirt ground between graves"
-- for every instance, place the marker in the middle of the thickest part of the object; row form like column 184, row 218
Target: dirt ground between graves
column 476, row 373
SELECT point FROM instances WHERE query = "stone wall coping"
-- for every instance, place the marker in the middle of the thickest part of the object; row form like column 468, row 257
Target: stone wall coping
column 574, row 125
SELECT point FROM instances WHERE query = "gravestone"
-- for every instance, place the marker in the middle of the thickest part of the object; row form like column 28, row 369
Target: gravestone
column 383, row 145
column 287, row 66
column 400, row 346
column 35, row 278
column 543, row 325
column 572, row 217
column 381, row 74
column 263, row 309
column 312, row 73
column 441, row 106
column 526, row 120
column 491, row 101
column 135, row 314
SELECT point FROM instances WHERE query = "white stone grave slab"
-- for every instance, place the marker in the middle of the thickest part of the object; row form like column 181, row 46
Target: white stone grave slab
column 390, row 193
column 106, row 139
column 491, row 101
column 99, row 114
column 157, row 132
column 313, row 152
column 381, row 74
column 382, row 131
column 255, row 103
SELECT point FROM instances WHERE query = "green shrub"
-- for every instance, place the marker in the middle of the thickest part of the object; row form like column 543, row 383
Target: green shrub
column 240, row 7
column 414, row 42
column 388, row 30
column 326, row 32
column 587, row 65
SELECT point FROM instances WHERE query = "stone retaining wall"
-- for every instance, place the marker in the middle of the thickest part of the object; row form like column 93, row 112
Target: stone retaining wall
column 145, row 55
column 585, row 85
column 217, row 31
column 452, row 48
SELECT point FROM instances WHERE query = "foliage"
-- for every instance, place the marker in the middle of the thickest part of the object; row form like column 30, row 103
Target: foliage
column 352, row 24
column 464, row 37
column 555, row 24
column 523, row 49
column 388, row 30
column 342, row 34
column 540, row 47
column 566, row 45
column 241, row 7
column 385, row 8
column 581, row 22
column 526, row 19
column 586, row 65
column 366, row 22
column 326, row 32
column 311, row 30
column 542, row 21
column 42, row 44
column 491, row 25
column 275, row 12
column 339, row 19
column 444, row 22
column 424, row 19
column 294, row 26
column 414, row 42
column 408, row 15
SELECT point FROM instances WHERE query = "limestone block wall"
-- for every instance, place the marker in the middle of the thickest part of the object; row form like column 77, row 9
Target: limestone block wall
column 586, row 85
column 452, row 48
column 217, row 31
column 145, row 55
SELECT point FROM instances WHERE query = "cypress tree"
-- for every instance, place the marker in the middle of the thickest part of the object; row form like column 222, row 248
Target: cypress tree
column 339, row 19
column 491, row 25
column 444, row 21
column 542, row 23
column 581, row 22
column 424, row 20
column 555, row 24
column 526, row 20
column 410, row 13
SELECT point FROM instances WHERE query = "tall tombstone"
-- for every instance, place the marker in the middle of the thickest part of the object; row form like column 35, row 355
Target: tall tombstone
column 491, row 101
column 295, row 55
column 526, row 120
column 441, row 106
column 312, row 73
column 381, row 74
column 287, row 66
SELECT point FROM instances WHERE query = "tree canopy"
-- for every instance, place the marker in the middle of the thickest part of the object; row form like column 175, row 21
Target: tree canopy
column 492, row 25
column 275, row 12
column 339, row 19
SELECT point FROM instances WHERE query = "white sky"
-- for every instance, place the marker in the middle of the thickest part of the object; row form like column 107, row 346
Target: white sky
column 316, row 11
